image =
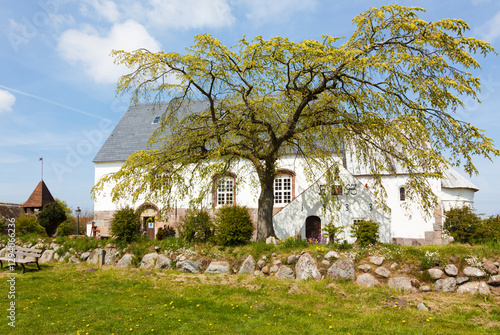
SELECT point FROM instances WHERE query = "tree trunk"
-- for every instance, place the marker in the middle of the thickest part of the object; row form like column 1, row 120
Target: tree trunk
column 265, row 210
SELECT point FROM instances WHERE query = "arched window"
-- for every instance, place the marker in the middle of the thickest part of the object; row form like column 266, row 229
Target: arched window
column 284, row 187
column 402, row 194
column 224, row 190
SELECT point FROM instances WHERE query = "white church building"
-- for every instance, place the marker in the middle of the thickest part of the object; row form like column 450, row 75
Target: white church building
column 298, row 207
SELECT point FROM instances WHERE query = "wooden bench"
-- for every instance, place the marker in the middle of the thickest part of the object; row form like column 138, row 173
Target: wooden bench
column 23, row 256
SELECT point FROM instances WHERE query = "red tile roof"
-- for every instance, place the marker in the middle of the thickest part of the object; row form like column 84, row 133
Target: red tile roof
column 40, row 196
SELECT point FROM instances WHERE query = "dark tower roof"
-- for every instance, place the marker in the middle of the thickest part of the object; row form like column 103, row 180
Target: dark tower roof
column 40, row 197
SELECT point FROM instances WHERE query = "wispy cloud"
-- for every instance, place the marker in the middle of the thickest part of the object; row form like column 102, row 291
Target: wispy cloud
column 7, row 100
column 264, row 10
column 490, row 30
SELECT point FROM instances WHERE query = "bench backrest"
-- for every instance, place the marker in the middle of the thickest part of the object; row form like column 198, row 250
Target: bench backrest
column 26, row 252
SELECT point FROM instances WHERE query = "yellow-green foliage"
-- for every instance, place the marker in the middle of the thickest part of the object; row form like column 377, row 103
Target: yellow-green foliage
column 387, row 95
column 26, row 224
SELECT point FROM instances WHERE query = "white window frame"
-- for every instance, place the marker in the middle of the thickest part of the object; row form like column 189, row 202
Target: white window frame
column 283, row 184
column 224, row 194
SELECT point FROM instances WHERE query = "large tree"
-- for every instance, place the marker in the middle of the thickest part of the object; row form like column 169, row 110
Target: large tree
column 387, row 95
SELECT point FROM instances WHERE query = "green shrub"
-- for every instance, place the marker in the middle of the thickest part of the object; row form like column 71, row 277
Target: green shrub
column 196, row 226
column 464, row 225
column 165, row 232
column 331, row 232
column 125, row 224
column 51, row 216
column 26, row 224
column 365, row 232
column 233, row 225
column 491, row 227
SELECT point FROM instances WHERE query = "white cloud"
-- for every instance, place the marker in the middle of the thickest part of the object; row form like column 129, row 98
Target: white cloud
column 7, row 100
column 87, row 48
column 106, row 9
column 490, row 30
column 263, row 10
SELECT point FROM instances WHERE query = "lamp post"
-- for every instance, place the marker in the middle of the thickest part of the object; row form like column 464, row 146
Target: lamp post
column 78, row 212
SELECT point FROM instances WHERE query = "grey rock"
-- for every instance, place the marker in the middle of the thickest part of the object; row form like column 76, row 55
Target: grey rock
column 125, row 261
column 93, row 257
column 285, row 272
column 425, row 288
column 490, row 268
column 148, row 261
column 218, row 267
column 471, row 271
column 274, row 269
column 85, row 255
column 394, row 265
column 74, row 259
column 343, row 269
column 261, row 263
column 497, row 264
column 264, row 258
column 377, row 260
column 163, row 262
column 367, row 280
column 445, row 285
column 188, row 266
column 46, row 256
column 451, row 270
column 110, row 256
column 306, row 268
column 248, row 265
column 277, row 262
column 382, row 272
column 461, row 280
column 291, row 259
column 435, row 273
column 474, row 288
column 325, row 262
column 56, row 256
column 364, row 267
column 400, row 283
column 272, row 240
column 38, row 246
column 332, row 254
column 65, row 257
column 265, row 270
column 494, row 280
column 421, row 307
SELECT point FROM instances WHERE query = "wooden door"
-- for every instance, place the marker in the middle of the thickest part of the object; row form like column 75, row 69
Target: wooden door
column 313, row 227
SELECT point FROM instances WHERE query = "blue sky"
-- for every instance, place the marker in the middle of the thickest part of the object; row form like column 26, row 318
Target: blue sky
column 57, row 80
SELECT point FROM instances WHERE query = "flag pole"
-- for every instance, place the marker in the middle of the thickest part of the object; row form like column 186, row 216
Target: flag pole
column 41, row 159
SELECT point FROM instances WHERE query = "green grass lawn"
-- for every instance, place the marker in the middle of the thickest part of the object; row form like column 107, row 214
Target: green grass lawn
column 65, row 299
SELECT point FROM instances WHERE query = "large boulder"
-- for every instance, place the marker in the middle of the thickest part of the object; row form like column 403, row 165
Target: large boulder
column 474, row 288
column 218, row 267
column 377, row 260
column 285, row 272
column 110, row 256
column 306, row 268
column 494, row 280
column 188, row 266
column 451, row 270
column 382, row 272
column 162, row 262
column 471, row 271
column 46, row 256
column 435, row 273
column 490, row 268
column 125, row 261
column 343, row 269
column 85, row 255
column 93, row 257
column 248, row 266
column 364, row 267
column 367, row 280
column 446, row 285
column 401, row 283
column 148, row 261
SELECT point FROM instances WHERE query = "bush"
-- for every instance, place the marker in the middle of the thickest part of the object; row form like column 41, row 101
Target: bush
column 233, row 225
column 125, row 224
column 464, row 225
column 51, row 216
column 26, row 224
column 491, row 226
column 331, row 231
column 196, row 226
column 165, row 232
column 365, row 232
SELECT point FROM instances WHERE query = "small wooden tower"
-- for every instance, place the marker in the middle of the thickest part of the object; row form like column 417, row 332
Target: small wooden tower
column 39, row 198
